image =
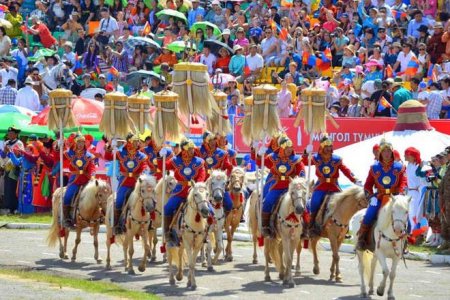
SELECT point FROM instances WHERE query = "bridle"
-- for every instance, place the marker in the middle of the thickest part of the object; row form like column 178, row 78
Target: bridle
column 142, row 200
column 100, row 202
column 196, row 207
column 396, row 239
column 301, row 197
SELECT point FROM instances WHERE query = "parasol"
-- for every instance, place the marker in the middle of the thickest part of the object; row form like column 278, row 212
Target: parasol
column 166, row 14
column 203, row 24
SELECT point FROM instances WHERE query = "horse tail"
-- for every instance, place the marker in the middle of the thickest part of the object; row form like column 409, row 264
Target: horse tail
column 212, row 239
column 274, row 252
column 53, row 233
column 251, row 216
column 365, row 258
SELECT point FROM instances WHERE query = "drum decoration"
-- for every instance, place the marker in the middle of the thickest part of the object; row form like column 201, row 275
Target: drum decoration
column 139, row 111
column 61, row 109
column 191, row 82
column 313, row 110
column 247, row 121
column 265, row 115
column 219, row 122
column 116, row 121
column 166, row 123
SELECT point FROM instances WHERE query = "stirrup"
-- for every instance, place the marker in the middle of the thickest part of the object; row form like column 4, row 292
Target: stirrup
column 266, row 231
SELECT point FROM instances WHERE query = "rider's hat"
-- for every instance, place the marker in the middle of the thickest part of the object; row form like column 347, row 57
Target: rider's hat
column 132, row 137
column 384, row 144
column 186, row 144
column 207, row 136
column 285, row 142
column 325, row 141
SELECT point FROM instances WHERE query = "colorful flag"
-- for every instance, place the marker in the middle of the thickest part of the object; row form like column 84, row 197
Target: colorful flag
column 383, row 104
column 114, row 72
column 247, row 71
column 398, row 14
column 147, row 29
column 412, row 67
column 389, row 72
column 309, row 59
column 97, row 70
column 327, row 56
column 315, row 5
column 78, row 68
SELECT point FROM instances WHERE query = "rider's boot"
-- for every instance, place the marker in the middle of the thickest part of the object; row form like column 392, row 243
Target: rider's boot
column 66, row 216
column 167, row 233
column 363, row 234
column 118, row 226
column 313, row 227
column 265, row 220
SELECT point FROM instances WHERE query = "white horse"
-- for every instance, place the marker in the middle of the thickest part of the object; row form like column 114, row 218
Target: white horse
column 192, row 233
column 390, row 240
column 288, row 230
column 155, row 220
column 140, row 205
column 88, row 213
column 216, row 185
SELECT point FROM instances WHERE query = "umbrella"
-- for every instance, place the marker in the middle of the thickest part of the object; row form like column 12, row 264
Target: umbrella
column 215, row 46
column 202, row 25
column 179, row 46
column 135, row 78
column 42, row 53
column 167, row 13
column 221, row 79
column 91, row 92
column 132, row 42
column 16, row 109
column 86, row 111
column 86, row 129
column 22, row 122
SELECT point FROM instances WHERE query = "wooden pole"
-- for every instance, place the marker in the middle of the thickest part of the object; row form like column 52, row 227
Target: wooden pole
column 61, row 170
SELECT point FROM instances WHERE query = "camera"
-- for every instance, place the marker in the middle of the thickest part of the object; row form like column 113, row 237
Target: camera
column 332, row 35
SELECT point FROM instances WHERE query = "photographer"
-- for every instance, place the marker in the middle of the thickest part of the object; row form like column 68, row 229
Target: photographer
column 108, row 27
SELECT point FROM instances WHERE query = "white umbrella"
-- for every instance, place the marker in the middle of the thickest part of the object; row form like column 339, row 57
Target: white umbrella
column 91, row 92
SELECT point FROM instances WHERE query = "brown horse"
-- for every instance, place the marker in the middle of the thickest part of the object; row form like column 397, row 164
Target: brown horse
column 89, row 213
column 236, row 190
column 340, row 209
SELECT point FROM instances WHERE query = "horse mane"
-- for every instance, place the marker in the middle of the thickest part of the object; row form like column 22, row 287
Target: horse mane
column 238, row 169
column 292, row 185
column 384, row 215
column 191, row 190
column 89, row 192
column 217, row 173
column 159, row 185
column 354, row 192
column 143, row 179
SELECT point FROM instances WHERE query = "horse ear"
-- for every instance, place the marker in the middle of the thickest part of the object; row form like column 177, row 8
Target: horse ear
column 192, row 182
column 140, row 180
column 311, row 185
column 96, row 182
column 409, row 199
column 290, row 179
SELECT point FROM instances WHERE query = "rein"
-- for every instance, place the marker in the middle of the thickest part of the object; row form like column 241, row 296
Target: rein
column 394, row 241
column 100, row 219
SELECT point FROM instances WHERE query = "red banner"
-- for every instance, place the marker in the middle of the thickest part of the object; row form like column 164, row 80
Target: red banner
column 350, row 131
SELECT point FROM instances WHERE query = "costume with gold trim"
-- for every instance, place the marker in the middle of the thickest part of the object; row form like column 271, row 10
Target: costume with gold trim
column 154, row 159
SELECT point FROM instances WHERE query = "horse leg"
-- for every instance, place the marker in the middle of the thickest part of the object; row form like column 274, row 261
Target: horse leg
column 316, row 269
column 267, row 256
column 125, row 252
column 283, row 266
column 96, row 255
column 230, row 242
column 108, row 248
column 361, row 268
column 191, row 263
column 192, row 268
column 385, row 268
column 333, row 245
column 63, row 245
column 338, row 272
column 289, row 247
column 255, row 242
column 298, row 250
column 392, row 278
column 154, row 241
column 373, row 265
column 219, row 244
column 130, row 253
column 208, row 261
column 171, row 269
column 228, row 230
column 180, row 264
column 145, row 244
column 77, row 242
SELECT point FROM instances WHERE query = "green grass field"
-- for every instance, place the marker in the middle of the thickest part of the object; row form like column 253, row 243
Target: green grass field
column 42, row 218
column 97, row 287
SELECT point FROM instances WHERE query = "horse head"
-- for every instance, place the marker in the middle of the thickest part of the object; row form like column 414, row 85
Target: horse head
column 399, row 214
column 145, row 188
column 198, row 198
column 237, row 179
column 297, row 192
column 216, row 184
column 171, row 182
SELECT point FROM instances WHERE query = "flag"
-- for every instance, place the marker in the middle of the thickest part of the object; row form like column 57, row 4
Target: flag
column 398, row 14
column 309, row 59
column 412, row 67
column 78, row 68
column 327, row 56
column 315, row 5
column 383, row 104
column 97, row 70
column 247, row 70
column 147, row 29
column 389, row 72
column 287, row 3
column 114, row 72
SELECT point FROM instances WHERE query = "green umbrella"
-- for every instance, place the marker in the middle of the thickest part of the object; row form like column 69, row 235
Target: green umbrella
column 179, row 46
column 202, row 25
column 167, row 13
column 42, row 53
column 21, row 121
column 85, row 129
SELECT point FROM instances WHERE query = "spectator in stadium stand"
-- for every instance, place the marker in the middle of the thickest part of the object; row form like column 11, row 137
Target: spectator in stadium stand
column 87, row 84
column 435, row 101
column 400, row 95
column 108, row 27
column 226, row 38
column 237, row 62
column 8, row 93
column 7, row 71
column 16, row 21
column 41, row 31
column 414, row 25
column 270, row 47
column 27, row 97
column 223, row 61
column 208, row 59
column 354, row 110
column 82, row 42
column 255, row 63
column 240, row 39
column 195, row 11
column 72, row 26
column 436, row 46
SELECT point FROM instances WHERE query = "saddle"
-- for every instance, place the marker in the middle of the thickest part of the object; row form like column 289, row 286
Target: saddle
column 274, row 220
column 176, row 226
column 74, row 204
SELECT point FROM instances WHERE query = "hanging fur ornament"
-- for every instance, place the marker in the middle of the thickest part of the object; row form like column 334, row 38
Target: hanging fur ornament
column 139, row 111
column 219, row 122
column 116, row 122
column 191, row 82
column 166, row 124
column 61, row 109
column 265, row 115
column 247, row 121
column 313, row 110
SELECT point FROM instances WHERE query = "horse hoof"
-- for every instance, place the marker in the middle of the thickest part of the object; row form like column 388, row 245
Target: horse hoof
column 193, row 287
column 188, row 285
column 331, row 278
column 153, row 259
column 73, row 259
column 210, row 269
column 164, row 260
column 99, row 260
column 380, row 291
column 131, row 272
column 316, row 270
column 204, row 264
column 391, row 298
column 172, row 281
column 229, row 258
column 339, row 279
column 179, row 277
column 371, row 292
column 290, row 285
column 364, row 296
column 66, row 256
column 108, row 268
column 141, row 269
column 267, row 278
column 297, row 274
column 280, row 276
column 255, row 261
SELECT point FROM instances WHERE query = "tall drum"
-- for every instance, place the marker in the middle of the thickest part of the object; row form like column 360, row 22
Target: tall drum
column 139, row 111
column 61, row 109
column 265, row 115
column 166, row 125
column 116, row 121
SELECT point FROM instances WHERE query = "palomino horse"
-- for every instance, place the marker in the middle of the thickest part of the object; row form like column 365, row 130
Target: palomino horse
column 236, row 189
column 155, row 221
column 280, row 249
column 340, row 209
column 138, row 209
column 216, row 185
column 88, row 213
column 390, row 238
column 193, row 229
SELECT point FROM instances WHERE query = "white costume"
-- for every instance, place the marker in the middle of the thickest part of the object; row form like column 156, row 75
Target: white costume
column 415, row 187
